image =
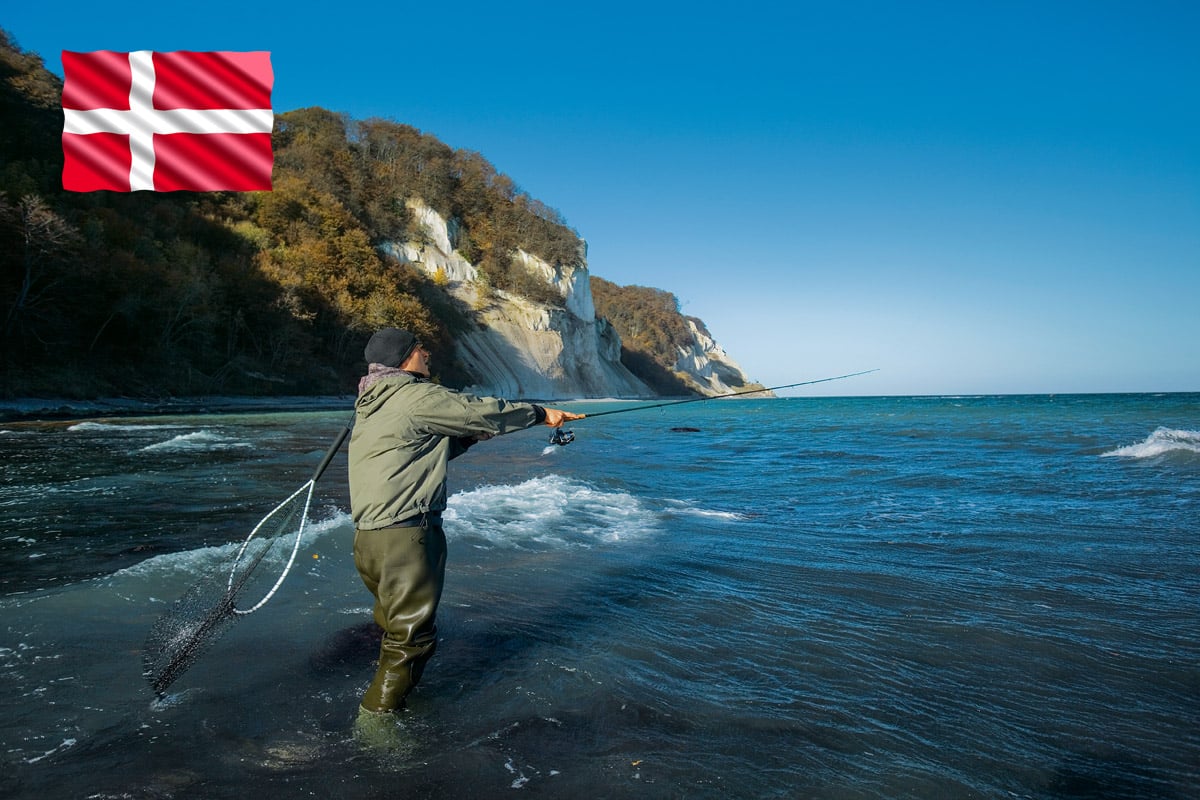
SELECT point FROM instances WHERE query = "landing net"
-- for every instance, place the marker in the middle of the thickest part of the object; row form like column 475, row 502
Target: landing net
column 211, row 605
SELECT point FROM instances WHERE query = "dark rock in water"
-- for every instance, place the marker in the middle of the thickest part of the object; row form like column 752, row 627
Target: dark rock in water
column 685, row 430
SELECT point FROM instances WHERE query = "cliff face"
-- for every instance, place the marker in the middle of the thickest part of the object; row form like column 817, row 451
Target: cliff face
column 525, row 349
column 530, row 350
column 707, row 364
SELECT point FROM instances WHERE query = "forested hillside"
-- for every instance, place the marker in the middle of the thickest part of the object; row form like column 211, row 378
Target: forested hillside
column 242, row 293
column 651, row 328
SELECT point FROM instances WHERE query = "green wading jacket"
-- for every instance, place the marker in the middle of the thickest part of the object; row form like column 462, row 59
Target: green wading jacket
column 406, row 430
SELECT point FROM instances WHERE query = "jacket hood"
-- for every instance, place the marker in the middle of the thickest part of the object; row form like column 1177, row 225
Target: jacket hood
column 381, row 388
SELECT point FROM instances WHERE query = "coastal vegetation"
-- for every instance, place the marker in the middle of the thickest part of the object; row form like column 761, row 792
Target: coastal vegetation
column 260, row 292
column 652, row 331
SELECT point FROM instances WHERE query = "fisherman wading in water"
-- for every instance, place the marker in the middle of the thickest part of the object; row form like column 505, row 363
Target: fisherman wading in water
column 406, row 430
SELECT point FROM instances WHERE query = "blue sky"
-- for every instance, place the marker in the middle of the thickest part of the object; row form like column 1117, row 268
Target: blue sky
column 973, row 197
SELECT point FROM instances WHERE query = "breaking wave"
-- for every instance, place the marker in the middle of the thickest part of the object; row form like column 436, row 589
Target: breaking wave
column 1162, row 441
column 198, row 440
column 112, row 426
column 192, row 562
column 547, row 512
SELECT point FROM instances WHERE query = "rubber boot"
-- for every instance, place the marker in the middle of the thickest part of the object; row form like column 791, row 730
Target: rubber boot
column 400, row 668
column 391, row 684
column 377, row 726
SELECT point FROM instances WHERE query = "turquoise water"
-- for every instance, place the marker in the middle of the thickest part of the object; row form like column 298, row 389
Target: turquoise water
column 829, row 598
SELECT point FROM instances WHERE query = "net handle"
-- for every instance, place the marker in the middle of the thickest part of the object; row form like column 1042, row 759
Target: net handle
column 332, row 451
column 312, row 482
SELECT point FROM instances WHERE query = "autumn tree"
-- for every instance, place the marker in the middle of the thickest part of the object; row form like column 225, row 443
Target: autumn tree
column 652, row 329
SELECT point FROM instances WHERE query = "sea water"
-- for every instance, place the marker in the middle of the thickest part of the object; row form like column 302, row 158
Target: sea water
column 930, row 597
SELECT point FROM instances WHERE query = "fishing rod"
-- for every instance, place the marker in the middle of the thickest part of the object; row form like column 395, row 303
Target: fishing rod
column 561, row 437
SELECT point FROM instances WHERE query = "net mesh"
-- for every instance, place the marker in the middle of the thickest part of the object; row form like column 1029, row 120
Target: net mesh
column 210, row 606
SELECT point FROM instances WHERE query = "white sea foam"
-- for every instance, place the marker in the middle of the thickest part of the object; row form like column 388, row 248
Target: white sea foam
column 197, row 440
column 685, row 509
column 66, row 745
column 204, row 558
column 550, row 511
column 546, row 512
column 1163, row 440
column 112, row 426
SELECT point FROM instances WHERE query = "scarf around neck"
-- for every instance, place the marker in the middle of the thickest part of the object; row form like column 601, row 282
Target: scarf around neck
column 376, row 373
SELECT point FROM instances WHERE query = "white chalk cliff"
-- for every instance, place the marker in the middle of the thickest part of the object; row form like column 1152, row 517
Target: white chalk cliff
column 708, row 366
column 525, row 349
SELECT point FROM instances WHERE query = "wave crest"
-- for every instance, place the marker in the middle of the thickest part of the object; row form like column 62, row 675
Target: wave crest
column 118, row 427
column 1162, row 441
column 199, row 440
column 546, row 512
column 202, row 559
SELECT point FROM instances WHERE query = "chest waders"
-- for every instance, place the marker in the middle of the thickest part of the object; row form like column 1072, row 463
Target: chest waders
column 404, row 567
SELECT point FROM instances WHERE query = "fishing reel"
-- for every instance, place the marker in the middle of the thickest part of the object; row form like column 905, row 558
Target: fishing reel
column 562, row 438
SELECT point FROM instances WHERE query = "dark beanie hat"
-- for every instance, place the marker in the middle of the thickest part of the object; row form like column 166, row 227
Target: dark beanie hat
column 390, row 346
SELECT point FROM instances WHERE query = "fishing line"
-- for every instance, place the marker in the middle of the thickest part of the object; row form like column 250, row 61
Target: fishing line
column 564, row 437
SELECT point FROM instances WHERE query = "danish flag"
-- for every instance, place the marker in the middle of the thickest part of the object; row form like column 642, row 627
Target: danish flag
column 166, row 122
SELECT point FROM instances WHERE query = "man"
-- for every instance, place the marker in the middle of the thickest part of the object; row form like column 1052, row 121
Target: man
column 406, row 429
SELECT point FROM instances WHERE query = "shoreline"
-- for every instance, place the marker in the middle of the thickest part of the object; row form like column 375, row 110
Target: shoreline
column 34, row 409
column 59, row 409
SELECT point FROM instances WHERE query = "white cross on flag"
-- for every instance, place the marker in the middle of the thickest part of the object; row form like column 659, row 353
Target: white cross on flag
column 167, row 122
